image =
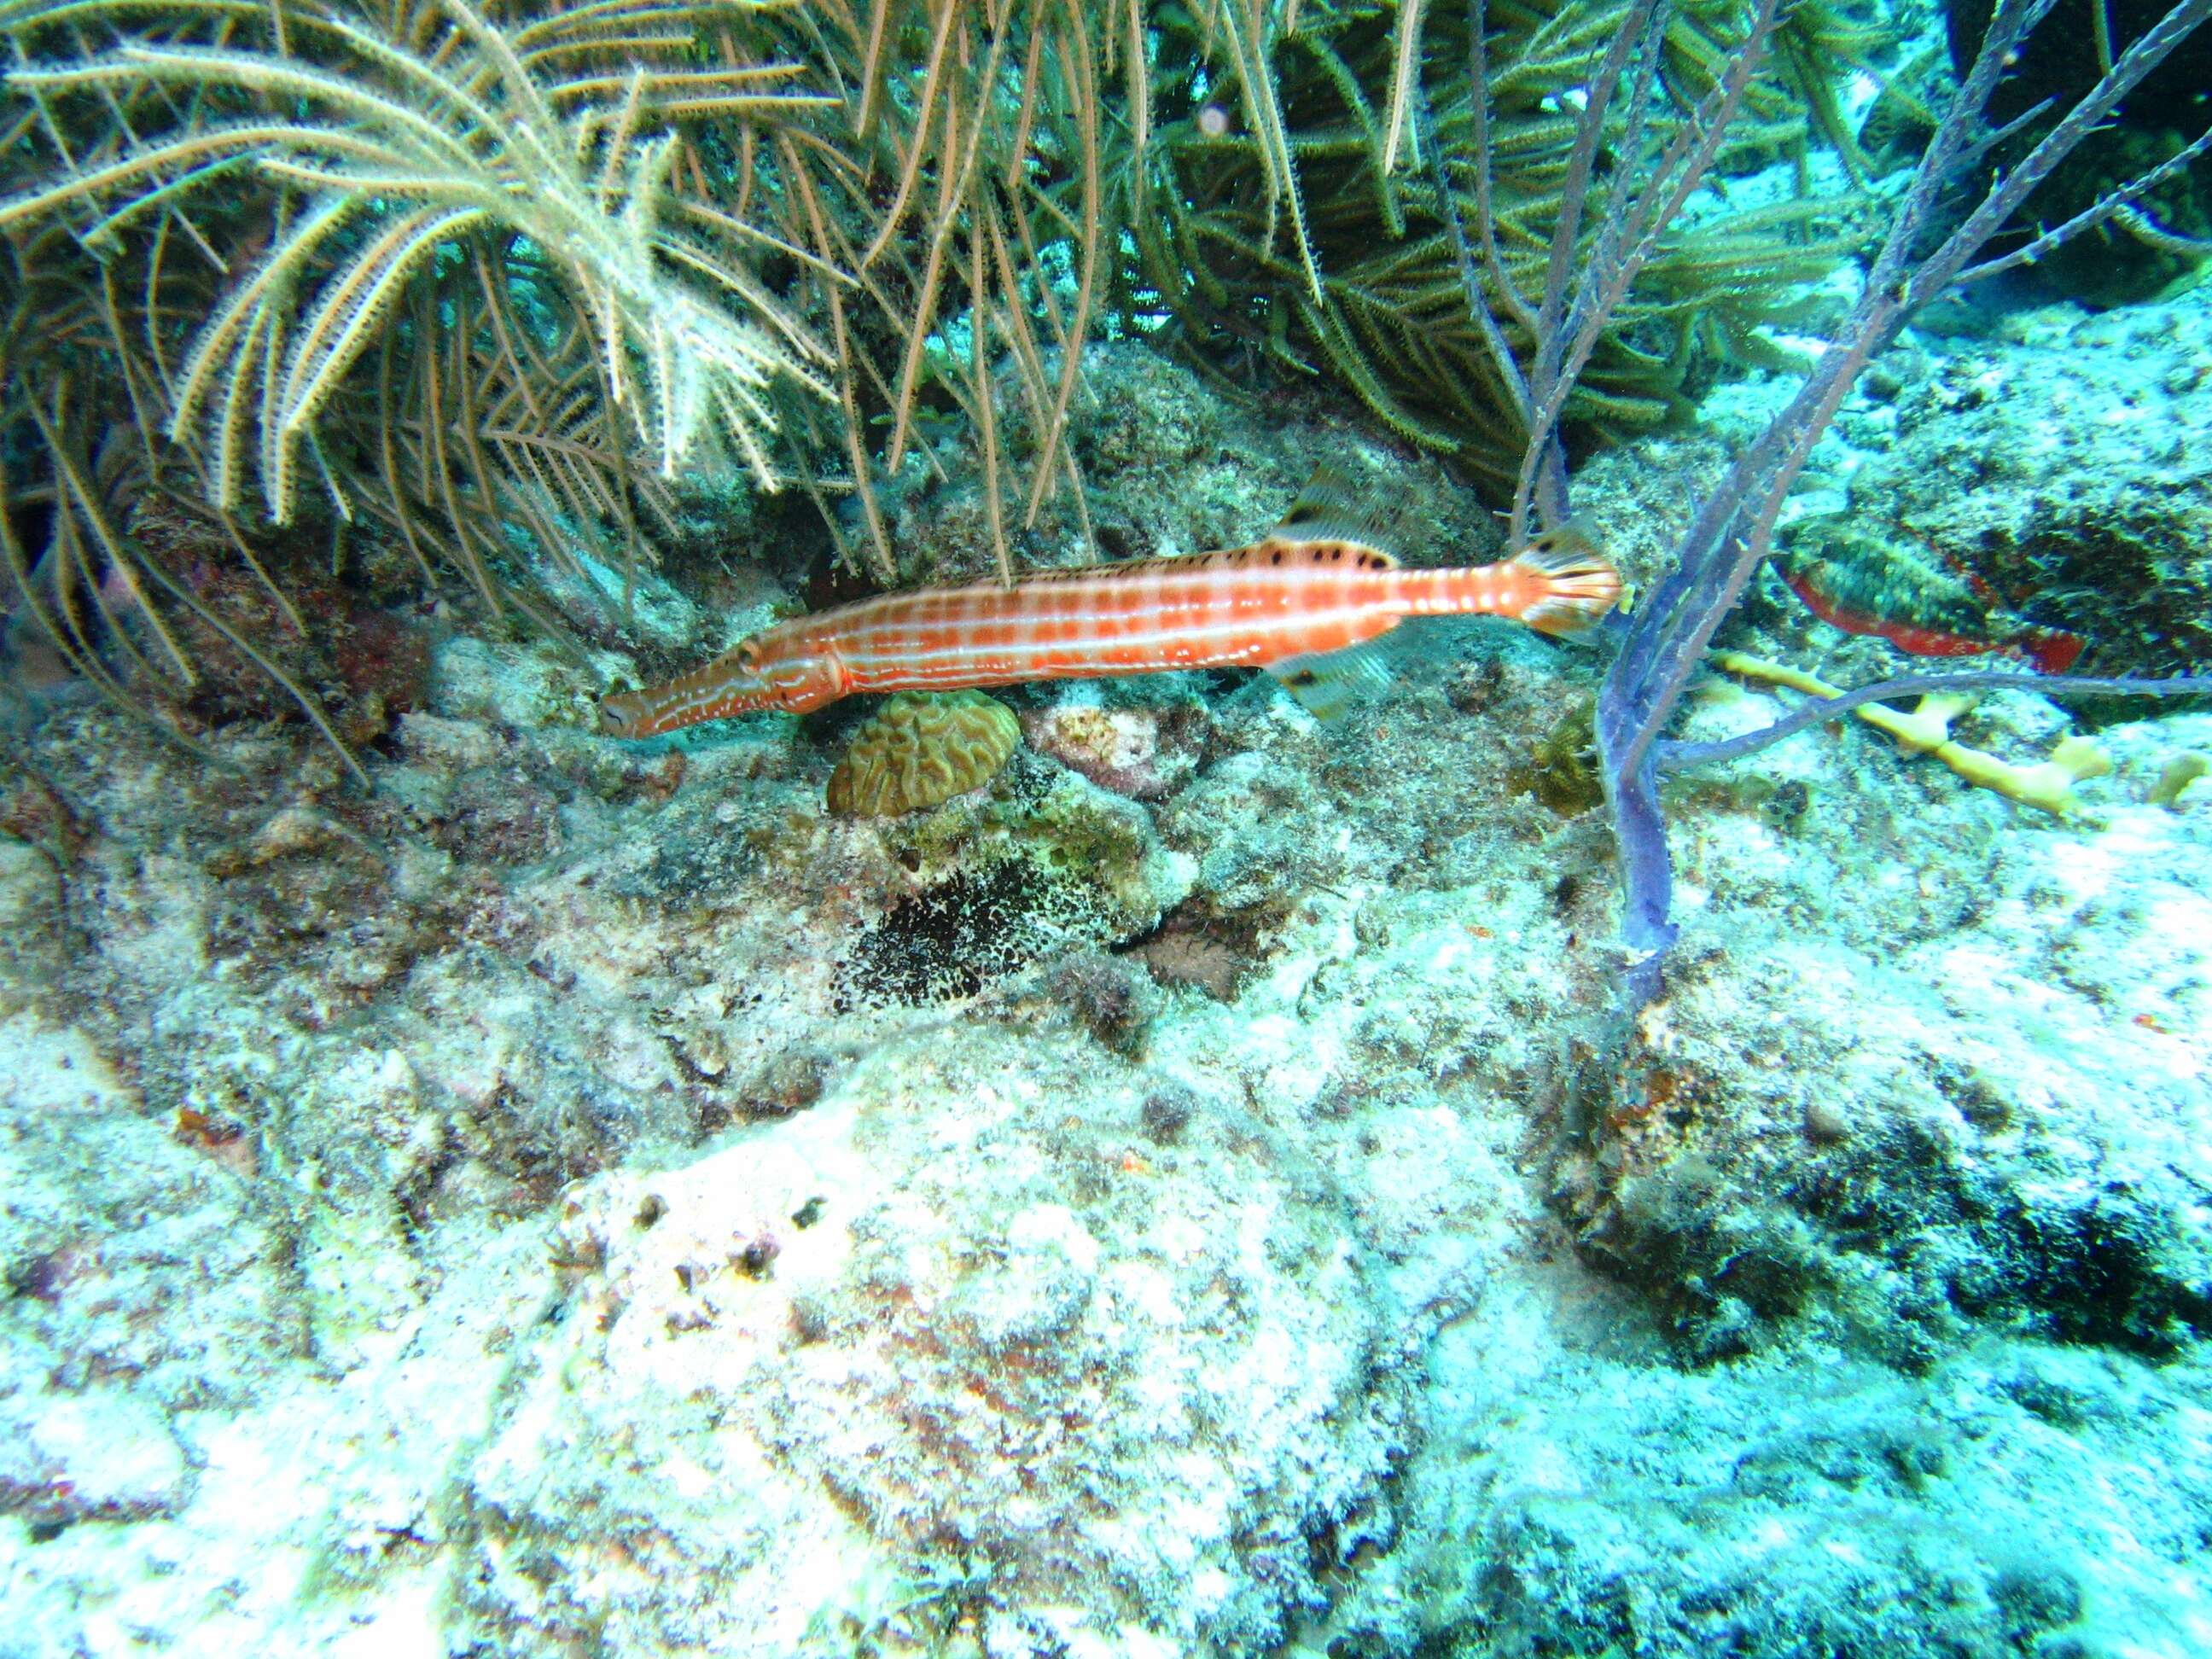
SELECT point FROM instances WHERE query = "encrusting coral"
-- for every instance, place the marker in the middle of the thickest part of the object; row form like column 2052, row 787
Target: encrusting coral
column 921, row 749
column 2047, row 786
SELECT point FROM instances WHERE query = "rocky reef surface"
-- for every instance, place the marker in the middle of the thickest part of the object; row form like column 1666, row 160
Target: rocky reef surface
column 587, row 1197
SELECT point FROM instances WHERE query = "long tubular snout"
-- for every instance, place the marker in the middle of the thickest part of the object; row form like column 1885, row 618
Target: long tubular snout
column 721, row 688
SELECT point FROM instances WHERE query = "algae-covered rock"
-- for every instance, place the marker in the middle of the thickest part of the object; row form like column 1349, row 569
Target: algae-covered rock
column 1963, row 1105
column 998, row 1379
column 1002, row 883
column 585, row 1196
column 2057, row 467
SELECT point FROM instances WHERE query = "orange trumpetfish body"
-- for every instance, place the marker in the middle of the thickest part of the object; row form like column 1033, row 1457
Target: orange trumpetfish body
column 1271, row 605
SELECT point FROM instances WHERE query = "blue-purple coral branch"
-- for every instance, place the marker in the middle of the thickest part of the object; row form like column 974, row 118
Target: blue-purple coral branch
column 1733, row 530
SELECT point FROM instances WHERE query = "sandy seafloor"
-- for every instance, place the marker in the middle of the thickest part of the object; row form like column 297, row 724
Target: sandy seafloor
column 577, row 1200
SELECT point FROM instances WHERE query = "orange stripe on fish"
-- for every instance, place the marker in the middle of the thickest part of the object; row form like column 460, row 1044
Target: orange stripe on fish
column 1274, row 604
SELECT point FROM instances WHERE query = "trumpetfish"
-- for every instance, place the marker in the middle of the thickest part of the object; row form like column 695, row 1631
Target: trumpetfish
column 1296, row 603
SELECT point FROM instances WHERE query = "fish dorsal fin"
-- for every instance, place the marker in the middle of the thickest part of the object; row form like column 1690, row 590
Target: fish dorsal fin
column 1328, row 509
column 1564, row 547
column 1329, row 683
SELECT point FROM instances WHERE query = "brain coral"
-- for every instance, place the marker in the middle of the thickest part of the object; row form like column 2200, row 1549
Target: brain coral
column 920, row 749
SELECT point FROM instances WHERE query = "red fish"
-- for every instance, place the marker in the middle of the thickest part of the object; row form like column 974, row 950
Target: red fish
column 1874, row 589
column 2048, row 650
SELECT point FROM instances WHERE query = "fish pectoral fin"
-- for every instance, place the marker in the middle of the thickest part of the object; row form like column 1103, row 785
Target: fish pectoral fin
column 1330, row 683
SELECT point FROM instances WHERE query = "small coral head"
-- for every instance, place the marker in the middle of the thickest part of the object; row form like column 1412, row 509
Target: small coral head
column 921, row 749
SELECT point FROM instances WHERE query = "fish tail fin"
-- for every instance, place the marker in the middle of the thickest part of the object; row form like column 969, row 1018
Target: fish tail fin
column 1573, row 586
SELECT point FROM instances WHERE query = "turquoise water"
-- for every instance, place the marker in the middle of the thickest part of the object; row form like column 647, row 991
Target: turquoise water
column 1206, row 1179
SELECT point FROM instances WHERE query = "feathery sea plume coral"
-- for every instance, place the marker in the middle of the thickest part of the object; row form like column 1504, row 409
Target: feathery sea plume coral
column 88, row 543
column 1450, row 189
column 477, row 274
column 389, row 139
column 974, row 173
